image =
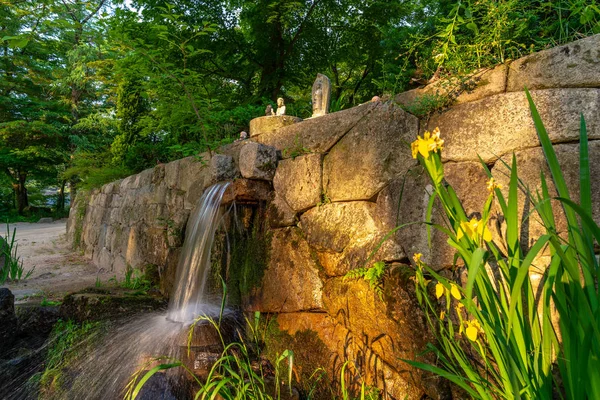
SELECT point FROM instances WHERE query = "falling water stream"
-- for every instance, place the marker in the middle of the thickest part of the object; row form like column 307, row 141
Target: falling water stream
column 104, row 372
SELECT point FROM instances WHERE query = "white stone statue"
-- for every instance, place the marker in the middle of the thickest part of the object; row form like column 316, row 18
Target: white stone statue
column 321, row 95
column 280, row 106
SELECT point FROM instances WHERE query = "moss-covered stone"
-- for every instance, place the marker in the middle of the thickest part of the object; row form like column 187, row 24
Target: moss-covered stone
column 96, row 305
column 311, row 358
column 248, row 255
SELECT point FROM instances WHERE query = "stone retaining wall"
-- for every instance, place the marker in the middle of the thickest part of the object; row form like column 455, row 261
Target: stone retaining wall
column 342, row 182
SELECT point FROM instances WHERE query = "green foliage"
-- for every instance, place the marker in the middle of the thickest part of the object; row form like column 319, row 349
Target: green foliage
column 135, row 279
column 67, row 341
column 462, row 36
column 11, row 264
column 426, row 104
column 296, row 150
column 50, row 303
column 249, row 259
column 495, row 336
column 94, row 169
column 373, row 275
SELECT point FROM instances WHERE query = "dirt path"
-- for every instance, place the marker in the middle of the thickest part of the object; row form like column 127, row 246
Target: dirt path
column 58, row 269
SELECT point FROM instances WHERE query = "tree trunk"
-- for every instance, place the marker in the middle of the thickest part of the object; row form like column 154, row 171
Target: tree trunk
column 21, row 193
column 60, row 202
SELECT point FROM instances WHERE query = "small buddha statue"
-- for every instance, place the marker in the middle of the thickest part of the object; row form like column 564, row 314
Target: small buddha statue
column 280, row 106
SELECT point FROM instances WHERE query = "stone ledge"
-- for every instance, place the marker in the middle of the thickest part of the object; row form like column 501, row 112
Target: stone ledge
column 315, row 135
column 575, row 64
column 501, row 124
column 481, row 84
column 263, row 125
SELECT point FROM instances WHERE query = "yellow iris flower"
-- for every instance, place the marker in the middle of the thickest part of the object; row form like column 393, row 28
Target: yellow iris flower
column 474, row 229
column 441, row 289
column 417, row 258
column 493, row 185
column 472, row 329
column 430, row 142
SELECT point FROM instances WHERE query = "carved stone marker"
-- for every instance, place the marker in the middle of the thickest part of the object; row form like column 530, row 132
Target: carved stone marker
column 280, row 106
column 321, row 95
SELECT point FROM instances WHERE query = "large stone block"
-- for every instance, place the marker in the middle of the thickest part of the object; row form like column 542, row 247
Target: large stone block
column 575, row 64
column 345, row 234
column 264, row 125
column 367, row 157
column 280, row 214
column 257, row 161
column 291, row 281
column 222, row 168
column 248, row 191
column 481, row 84
column 405, row 200
column 299, row 181
column 354, row 305
column 316, row 134
column 193, row 171
column 501, row 124
column 340, row 344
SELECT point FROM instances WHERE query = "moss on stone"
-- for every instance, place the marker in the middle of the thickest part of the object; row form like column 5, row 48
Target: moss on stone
column 311, row 359
column 81, row 203
column 249, row 257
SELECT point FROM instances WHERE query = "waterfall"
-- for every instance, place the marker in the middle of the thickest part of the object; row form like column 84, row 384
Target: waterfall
column 194, row 262
column 102, row 372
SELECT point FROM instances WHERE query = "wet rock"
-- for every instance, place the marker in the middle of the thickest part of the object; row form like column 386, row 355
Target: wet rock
column 258, row 161
column 291, row 281
column 298, row 181
column 35, row 320
column 366, row 158
column 95, row 305
column 8, row 319
column 345, row 234
column 247, row 191
column 501, row 124
column 574, row 64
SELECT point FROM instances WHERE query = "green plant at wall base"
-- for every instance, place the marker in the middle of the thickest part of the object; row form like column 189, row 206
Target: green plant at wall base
column 135, row 279
column 496, row 339
column 11, row 264
column 67, row 341
column 50, row 303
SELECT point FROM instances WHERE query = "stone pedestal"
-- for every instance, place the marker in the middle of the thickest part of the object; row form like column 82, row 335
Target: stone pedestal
column 271, row 123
